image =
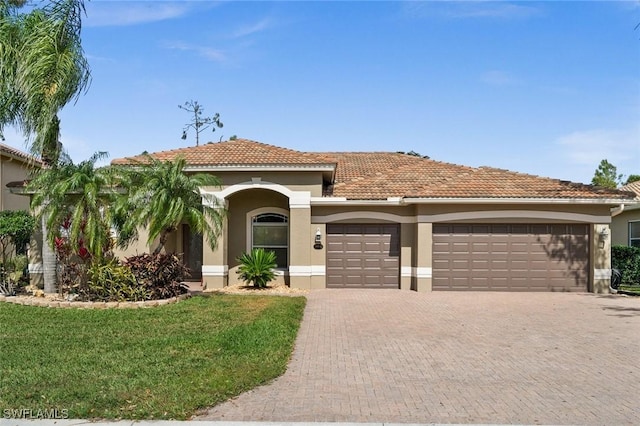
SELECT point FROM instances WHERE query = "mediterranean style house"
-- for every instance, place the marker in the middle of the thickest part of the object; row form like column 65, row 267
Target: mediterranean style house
column 392, row 220
column 625, row 222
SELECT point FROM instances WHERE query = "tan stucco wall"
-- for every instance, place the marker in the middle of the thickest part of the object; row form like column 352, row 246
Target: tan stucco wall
column 218, row 257
column 137, row 247
column 361, row 213
column 12, row 170
column 620, row 226
column 295, row 181
column 407, row 250
column 300, row 246
column 600, row 259
column 556, row 209
column 318, row 256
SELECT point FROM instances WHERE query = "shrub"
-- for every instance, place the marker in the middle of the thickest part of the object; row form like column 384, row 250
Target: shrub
column 161, row 274
column 16, row 228
column 627, row 261
column 110, row 281
column 14, row 275
column 257, row 267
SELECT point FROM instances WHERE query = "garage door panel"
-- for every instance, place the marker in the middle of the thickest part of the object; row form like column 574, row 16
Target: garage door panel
column 522, row 257
column 363, row 255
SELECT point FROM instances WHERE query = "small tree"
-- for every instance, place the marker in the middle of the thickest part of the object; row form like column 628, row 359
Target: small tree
column 632, row 178
column 606, row 175
column 74, row 203
column 199, row 123
column 16, row 228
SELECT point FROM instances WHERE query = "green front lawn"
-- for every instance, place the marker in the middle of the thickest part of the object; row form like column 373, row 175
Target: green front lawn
column 633, row 289
column 155, row 363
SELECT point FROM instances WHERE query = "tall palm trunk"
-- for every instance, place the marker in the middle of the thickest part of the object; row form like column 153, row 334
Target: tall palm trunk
column 49, row 262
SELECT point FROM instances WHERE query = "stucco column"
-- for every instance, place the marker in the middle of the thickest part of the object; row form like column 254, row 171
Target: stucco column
column 424, row 256
column 318, row 255
column 407, row 242
column 600, row 259
column 300, row 245
column 215, row 267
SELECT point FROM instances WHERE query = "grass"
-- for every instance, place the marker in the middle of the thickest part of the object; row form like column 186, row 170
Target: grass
column 158, row 363
column 630, row 289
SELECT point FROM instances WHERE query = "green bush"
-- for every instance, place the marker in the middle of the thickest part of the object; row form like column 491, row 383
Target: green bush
column 110, row 281
column 627, row 261
column 161, row 274
column 257, row 267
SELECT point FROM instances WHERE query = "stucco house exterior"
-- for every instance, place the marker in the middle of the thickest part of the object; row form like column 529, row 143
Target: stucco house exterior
column 14, row 167
column 625, row 221
column 391, row 220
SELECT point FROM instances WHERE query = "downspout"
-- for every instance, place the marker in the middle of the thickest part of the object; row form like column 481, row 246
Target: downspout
column 617, row 210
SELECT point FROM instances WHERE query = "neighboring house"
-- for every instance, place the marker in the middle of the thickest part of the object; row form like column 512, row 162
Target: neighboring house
column 14, row 167
column 625, row 222
column 390, row 220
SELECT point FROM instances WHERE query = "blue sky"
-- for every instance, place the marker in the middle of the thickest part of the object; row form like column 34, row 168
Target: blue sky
column 547, row 88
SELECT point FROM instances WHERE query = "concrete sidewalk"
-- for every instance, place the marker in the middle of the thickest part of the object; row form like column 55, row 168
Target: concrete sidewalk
column 69, row 422
column 456, row 357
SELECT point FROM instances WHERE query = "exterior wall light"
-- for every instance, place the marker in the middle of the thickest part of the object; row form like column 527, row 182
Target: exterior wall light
column 317, row 242
column 603, row 234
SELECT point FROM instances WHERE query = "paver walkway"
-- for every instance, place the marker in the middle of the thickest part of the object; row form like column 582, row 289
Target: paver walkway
column 395, row 356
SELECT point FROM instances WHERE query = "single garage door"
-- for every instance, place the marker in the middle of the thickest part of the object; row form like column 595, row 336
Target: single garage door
column 363, row 256
column 511, row 257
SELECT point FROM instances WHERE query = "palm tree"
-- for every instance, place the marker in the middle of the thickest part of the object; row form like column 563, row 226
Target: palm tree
column 162, row 197
column 78, row 196
column 43, row 68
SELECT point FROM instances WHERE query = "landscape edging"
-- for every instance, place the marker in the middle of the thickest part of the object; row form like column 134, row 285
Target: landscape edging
column 52, row 303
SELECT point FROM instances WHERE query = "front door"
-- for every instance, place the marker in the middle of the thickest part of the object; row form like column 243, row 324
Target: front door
column 192, row 248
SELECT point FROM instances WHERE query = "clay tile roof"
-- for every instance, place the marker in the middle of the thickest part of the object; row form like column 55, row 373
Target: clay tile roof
column 362, row 176
column 632, row 187
column 238, row 152
column 20, row 155
column 382, row 175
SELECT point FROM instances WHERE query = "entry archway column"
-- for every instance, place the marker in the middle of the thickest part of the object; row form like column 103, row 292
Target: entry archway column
column 300, row 241
column 215, row 269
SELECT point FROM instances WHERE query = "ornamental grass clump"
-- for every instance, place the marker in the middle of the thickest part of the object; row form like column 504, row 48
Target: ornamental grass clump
column 257, row 267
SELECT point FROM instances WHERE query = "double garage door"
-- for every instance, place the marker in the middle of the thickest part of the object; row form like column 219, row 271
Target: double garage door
column 497, row 257
column 511, row 257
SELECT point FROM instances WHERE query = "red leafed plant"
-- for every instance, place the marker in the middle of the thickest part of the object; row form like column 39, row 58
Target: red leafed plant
column 161, row 274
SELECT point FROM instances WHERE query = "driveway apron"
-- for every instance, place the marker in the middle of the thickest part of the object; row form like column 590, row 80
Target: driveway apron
column 456, row 357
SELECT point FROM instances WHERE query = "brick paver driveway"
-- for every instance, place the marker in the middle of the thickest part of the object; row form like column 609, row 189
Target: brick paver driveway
column 395, row 356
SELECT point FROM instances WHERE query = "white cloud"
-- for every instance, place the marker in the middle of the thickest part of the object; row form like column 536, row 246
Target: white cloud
column 102, row 14
column 204, row 51
column 250, row 29
column 499, row 78
column 78, row 149
column 587, row 148
column 469, row 9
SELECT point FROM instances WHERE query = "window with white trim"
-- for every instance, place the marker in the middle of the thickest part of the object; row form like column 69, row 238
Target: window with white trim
column 270, row 231
column 634, row 234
